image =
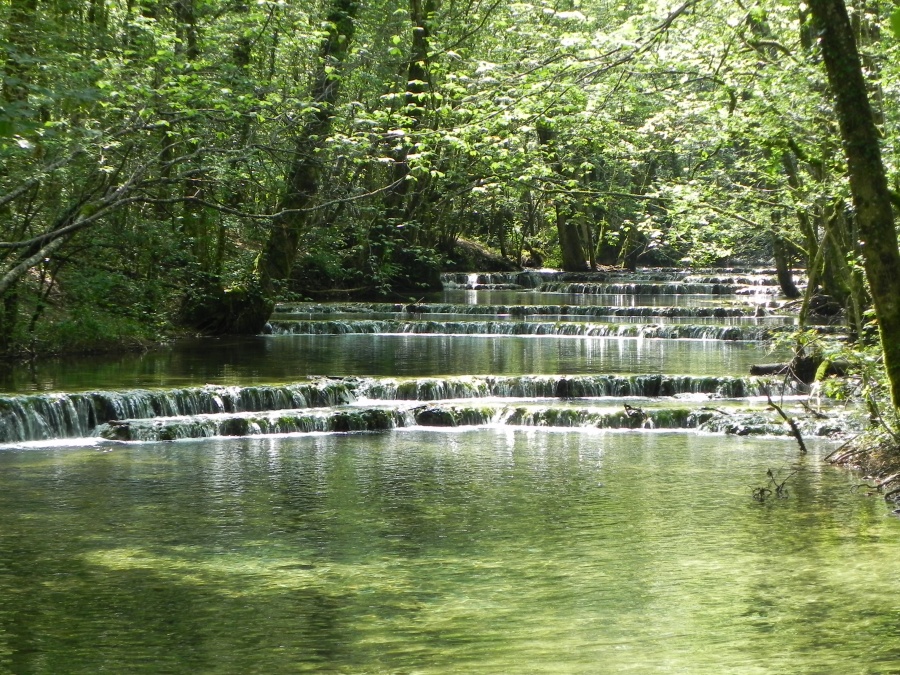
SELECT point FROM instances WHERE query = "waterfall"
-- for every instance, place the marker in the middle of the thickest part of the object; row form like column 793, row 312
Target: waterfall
column 735, row 421
column 563, row 328
column 45, row 416
column 651, row 288
column 523, row 310
column 251, row 424
column 363, row 403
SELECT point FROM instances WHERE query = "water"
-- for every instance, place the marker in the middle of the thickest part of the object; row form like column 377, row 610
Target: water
column 476, row 551
column 490, row 526
column 287, row 358
column 772, row 321
column 535, row 297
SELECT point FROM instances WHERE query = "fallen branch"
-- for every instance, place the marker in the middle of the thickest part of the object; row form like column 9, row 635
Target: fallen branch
column 884, row 481
column 795, row 430
column 636, row 416
column 830, row 457
column 711, row 409
column 763, row 492
column 815, row 413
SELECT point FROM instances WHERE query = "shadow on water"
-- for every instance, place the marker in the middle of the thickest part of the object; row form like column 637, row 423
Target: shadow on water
column 524, row 548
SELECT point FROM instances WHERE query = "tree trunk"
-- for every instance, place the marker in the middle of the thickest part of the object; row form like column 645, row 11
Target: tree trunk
column 782, row 267
column 14, row 102
column 246, row 309
column 398, row 231
column 571, row 249
column 633, row 241
column 9, row 314
column 868, row 183
column 277, row 259
column 18, row 65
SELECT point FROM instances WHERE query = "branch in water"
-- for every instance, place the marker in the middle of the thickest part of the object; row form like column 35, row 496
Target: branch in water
column 795, row 430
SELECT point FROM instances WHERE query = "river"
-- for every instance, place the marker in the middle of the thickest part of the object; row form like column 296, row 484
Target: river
column 403, row 498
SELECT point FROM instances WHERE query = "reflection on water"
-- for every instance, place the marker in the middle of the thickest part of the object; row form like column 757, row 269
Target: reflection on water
column 485, row 551
column 283, row 358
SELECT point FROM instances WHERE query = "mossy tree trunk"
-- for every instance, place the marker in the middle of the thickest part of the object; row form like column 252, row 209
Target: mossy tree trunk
column 278, row 256
column 633, row 241
column 400, row 229
column 868, row 182
column 9, row 312
column 14, row 109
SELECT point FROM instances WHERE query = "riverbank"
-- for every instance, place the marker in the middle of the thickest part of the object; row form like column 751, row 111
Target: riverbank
column 877, row 458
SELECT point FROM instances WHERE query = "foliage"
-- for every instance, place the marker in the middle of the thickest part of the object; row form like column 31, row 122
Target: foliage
column 146, row 146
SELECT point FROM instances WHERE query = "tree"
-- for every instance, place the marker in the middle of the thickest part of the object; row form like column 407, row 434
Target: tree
column 220, row 310
column 868, row 181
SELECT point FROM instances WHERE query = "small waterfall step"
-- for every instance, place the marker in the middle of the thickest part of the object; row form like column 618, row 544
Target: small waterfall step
column 529, row 328
column 78, row 415
column 535, row 279
column 739, row 421
column 412, row 310
column 566, row 387
column 655, row 288
column 255, row 424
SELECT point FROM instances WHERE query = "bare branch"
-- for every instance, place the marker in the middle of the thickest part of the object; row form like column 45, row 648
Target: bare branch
column 10, row 277
column 34, row 180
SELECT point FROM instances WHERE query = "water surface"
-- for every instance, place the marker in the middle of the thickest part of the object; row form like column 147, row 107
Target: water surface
column 289, row 358
column 482, row 551
column 490, row 550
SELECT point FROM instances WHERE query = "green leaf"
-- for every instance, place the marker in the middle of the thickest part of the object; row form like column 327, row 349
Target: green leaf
column 895, row 23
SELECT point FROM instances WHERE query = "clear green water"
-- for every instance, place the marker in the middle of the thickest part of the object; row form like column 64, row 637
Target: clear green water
column 288, row 358
column 481, row 551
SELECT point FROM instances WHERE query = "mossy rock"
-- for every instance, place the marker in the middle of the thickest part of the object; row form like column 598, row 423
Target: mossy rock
column 116, row 431
column 435, row 417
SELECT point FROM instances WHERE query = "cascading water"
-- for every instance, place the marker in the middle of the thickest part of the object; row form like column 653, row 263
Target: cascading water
column 47, row 416
column 571, row 329
column 373, row 403
column 41, row 417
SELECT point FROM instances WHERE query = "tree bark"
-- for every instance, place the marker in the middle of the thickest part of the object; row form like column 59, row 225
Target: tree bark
column 570, row 247
column 399, row 230
column 633, row 240
column 278, row 257
column 868, row 182
column 9, row 314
